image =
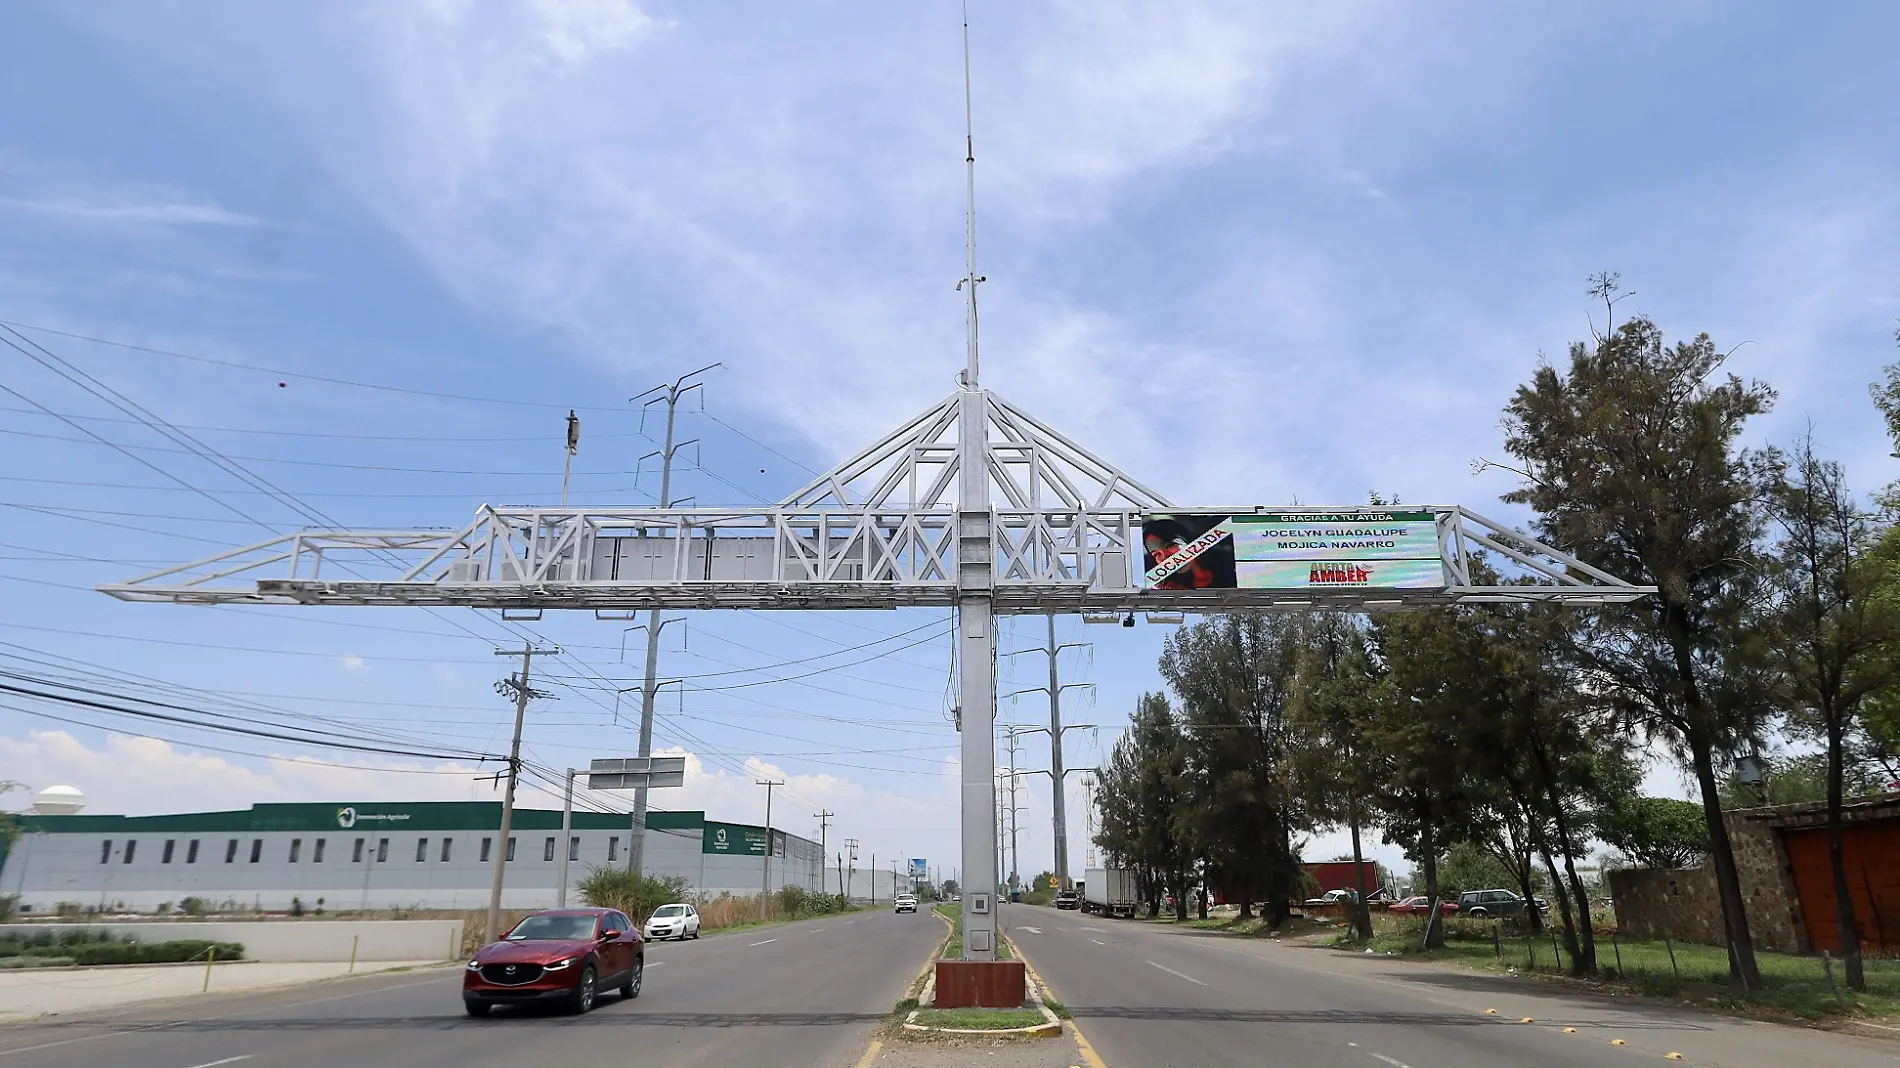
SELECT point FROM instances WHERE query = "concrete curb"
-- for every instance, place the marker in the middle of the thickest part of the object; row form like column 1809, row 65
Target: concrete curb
column 1051, row 1026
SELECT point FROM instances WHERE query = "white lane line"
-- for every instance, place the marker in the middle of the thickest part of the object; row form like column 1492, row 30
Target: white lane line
column 227, row 1060
column 848, row 923
column 220, row 1016
column 820, row 930
column 1394, row 1062
column 1182, row 975
column 768, row 941
column 1098, row 941
column 1031, row 930
column 1099, row 930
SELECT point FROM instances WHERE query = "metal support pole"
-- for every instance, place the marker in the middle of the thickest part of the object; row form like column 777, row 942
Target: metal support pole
column 567, row 831
column 491, row 930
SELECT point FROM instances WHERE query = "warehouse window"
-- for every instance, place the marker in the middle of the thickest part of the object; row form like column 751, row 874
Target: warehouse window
column 316, row 851
column 131, row 847
column 230, row 852
column 191, row 852
column 613, row 849
column 296, row 847
column 574, row 848
column 445, row 849
column 422, row 850
column 487, row 843
column 356, row 855
column 257, row 850
column 547, row 851
column 511, row 848
column 105, row 851
column 382, row 850
column 166, row 857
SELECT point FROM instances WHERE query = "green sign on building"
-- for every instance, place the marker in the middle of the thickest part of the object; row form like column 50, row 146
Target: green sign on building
column 733, row 838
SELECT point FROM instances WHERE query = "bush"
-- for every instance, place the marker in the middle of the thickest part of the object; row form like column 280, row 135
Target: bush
column 194, row 906
column 795, row 902
column 633, row 893
column 184, row 949
column 9, row 904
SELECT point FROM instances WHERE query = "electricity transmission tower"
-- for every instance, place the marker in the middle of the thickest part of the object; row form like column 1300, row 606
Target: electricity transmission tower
column 1057, row 773
column 668, row 394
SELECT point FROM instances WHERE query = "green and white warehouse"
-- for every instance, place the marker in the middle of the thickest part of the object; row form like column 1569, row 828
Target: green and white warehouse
column 430, row 854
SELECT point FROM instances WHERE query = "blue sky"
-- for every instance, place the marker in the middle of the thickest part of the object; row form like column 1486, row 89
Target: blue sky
column 1252, row 253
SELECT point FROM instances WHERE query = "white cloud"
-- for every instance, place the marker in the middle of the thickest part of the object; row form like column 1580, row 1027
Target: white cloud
column 154, row 213
column 352, row 662
column 577, row 29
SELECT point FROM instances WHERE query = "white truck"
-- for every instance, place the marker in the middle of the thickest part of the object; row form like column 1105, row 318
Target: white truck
column 1110, row 891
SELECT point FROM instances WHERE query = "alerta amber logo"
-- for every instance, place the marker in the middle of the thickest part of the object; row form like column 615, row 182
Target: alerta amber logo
column 1340, row 575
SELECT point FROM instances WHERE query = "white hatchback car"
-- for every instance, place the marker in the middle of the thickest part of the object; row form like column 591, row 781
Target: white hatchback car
column 679, row 920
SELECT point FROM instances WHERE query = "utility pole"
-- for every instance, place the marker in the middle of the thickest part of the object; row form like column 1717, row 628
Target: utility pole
column 669, row 394
column 573, row 446
column 567, row 830
column 517, row 685
column 765, row 887
column 824, row 819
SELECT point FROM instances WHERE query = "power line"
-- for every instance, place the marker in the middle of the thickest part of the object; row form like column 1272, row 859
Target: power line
column 282, row 373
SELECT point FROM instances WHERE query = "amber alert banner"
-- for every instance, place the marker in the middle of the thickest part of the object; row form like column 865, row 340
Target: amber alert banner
column 1292, row 550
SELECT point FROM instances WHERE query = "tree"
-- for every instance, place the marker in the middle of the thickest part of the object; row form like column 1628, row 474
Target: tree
column 1656, row 832
column 1419, row 729
column 1140, row 797
column 1630, row 461
column 1835, row 637
column 1234, row 675
column 1335, row 769
column 1043, row 883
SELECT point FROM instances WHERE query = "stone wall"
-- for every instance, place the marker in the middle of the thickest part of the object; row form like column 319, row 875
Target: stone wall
column 1684, row 904
column 1668, row 903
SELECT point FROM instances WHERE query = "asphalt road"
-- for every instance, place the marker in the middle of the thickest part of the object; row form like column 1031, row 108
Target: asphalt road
column 806, row 993
column 1150, row 996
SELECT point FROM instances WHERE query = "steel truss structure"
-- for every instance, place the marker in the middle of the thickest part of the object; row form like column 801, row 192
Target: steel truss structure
column 879, row 531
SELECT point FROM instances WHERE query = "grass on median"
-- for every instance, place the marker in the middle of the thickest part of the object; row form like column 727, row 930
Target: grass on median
column 980, row 1019
column 1790, row 982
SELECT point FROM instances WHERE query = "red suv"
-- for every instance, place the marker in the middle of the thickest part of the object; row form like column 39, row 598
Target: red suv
column 561, row 955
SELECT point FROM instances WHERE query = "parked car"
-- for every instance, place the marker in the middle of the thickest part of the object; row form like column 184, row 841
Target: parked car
column 1482, row 903
column 1420, row 906
column 1333, row 897
column 905, row 903
column 563, row 956
column 678, row 920
column 1068, row 899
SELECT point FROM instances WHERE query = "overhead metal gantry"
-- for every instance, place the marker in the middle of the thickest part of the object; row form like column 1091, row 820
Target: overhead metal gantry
column 878, row 531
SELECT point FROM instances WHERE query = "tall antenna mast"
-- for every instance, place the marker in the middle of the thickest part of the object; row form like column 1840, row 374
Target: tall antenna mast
column 969, row 163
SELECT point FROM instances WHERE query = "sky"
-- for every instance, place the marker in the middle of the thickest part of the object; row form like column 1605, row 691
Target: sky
column 1252, row 253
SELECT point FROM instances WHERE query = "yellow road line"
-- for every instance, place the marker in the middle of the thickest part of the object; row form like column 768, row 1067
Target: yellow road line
column 1081, row 1040
column 870, row 1054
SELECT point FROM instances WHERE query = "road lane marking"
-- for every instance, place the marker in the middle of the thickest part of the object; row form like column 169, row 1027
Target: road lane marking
column 1183, row 975
column 768, row 941
column 1031, row 930
column 1394, row 1062
column 1098, row 941
column 227, row 1060
column 820, row 930
column 220, row 1016
column 870, row 1054
column 1098, row 930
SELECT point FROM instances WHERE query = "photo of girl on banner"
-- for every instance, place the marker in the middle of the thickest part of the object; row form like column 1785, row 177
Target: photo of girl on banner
column 1168, row 537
